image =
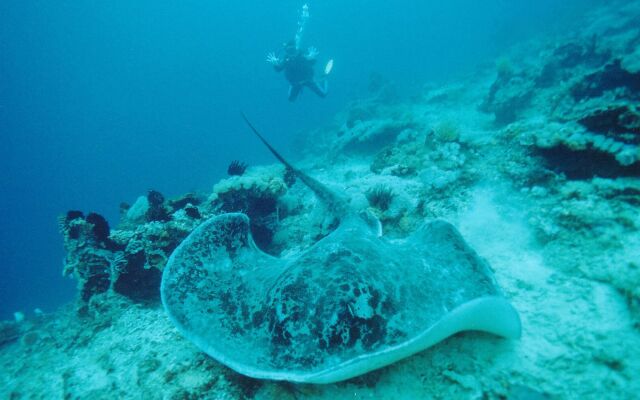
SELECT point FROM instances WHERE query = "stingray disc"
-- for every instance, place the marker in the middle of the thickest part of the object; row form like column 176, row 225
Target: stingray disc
column 351, row 303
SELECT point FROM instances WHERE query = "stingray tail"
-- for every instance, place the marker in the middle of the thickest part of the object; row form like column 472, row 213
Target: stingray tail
column 271, row 149
column 331, row 199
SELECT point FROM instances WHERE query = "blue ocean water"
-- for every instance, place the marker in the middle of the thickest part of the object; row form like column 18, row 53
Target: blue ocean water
column 101, row 101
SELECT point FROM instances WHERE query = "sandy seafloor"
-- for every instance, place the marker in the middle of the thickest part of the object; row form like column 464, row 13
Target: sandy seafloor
column 533, row 158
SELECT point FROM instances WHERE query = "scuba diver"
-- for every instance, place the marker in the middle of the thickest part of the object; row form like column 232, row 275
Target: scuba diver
column 298, row 69
column 298, row 65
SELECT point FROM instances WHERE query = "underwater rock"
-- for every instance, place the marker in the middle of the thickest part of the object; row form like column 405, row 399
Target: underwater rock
column 155, row 198
column 395, row 159
column 603, row 141
column 100, row 226
column 136, row 214
column 188, row 204
column 289, row 177
column 157, row 210
column 94, row 228
column 614, row 120
column 365, row 136
column 184, row 200
column 136, row 281
column 137, row 269
column 610, row 77
column 192, row 211
column 509, row 95
column 9, row 332
column 520, row 392
column 88, row 253
column 602, row 213
column 585, row 164
column 601, row 97
column 255, row 194
column 435, row 178
column 30, row 338
column 73, row 214
column 631, row 61
column 403, row 159
column 369, row 125
column 128, row 260
column 565, row 58
column 92, row 270
column 360, row 111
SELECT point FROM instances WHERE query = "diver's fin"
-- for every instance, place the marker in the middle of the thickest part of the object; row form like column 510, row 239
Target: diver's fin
column 328, row 67
column 332, row 200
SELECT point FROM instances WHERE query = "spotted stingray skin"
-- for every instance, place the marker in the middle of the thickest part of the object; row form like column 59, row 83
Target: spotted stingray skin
column 347, row 302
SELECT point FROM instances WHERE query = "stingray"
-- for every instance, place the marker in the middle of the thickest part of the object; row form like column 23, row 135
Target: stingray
column 352, row 302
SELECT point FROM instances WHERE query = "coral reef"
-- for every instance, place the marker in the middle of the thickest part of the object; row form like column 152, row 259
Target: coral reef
column 256, row 194
column 365, row 126
column 128, row 260
column 184, row 201
column 100, row 227
column 87, row 257
column 509, row 95
column 584, row 99
column 156, row 211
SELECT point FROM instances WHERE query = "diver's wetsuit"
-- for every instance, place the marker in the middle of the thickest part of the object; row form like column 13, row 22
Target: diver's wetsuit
column 298, row 69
